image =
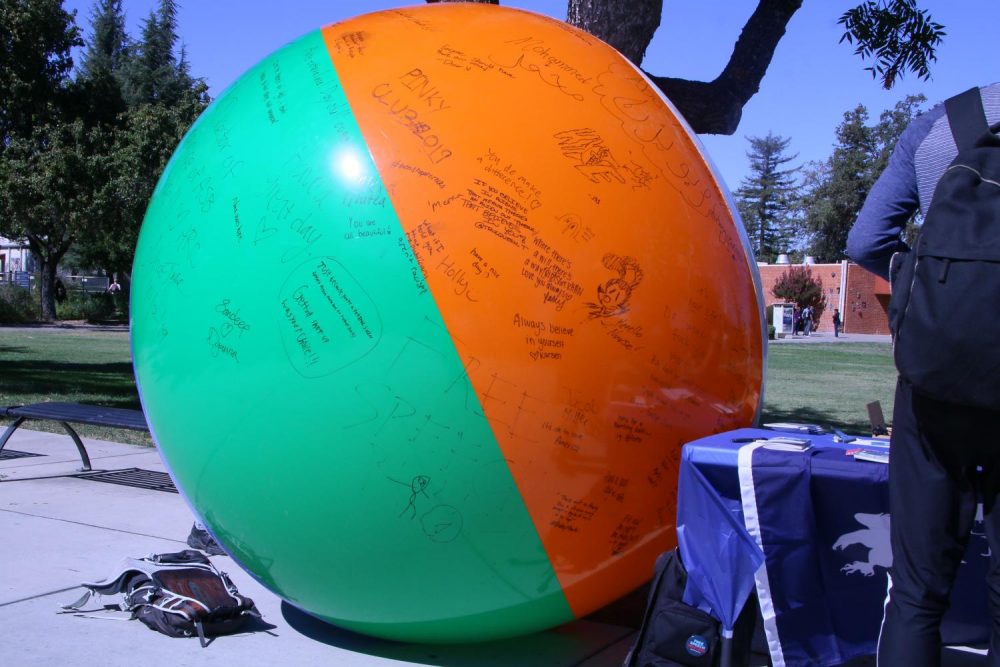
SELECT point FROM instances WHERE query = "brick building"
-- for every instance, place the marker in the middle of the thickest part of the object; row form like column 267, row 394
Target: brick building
column 861, row 296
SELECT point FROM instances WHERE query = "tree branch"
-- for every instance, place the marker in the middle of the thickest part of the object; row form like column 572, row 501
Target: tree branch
column 716, row 107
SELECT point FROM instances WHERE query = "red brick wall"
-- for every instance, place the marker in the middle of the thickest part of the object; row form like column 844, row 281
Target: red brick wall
column 828, row 274
column 866, row 304
column 863, row 308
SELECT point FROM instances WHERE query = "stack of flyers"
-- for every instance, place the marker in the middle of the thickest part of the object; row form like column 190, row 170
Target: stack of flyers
column 875, row 455
column 812, row 429
column 786, row 444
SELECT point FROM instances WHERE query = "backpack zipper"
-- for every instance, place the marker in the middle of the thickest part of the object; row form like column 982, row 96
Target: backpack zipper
column 913, row 281
column 944, row 271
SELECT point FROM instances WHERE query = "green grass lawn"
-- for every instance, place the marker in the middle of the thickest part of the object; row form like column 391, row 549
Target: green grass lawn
column 827, row 384
column 46, row 364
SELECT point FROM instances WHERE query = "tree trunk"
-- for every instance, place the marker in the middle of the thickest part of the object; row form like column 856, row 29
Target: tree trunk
column 48, row 259
column 627, row 26
column 48, row 289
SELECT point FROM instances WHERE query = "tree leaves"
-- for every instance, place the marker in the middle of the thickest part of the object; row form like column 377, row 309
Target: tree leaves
column 767, row 199
column 36, row 37
column 48, row 191
column 798, row 285
column 896, row 34
column 838, row 187
column 155, row 100
column 80, row 157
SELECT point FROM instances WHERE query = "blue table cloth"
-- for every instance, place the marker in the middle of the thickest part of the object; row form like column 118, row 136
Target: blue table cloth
column 808, row 531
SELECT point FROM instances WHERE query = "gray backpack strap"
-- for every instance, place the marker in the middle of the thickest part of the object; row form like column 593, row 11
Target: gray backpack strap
column 113, row 584
column 201, row 634
column 73, row 607
column 967, row 118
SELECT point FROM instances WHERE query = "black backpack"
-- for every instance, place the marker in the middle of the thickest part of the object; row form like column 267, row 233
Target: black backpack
column 675, row 634
column 180, row 594
column 945, row 292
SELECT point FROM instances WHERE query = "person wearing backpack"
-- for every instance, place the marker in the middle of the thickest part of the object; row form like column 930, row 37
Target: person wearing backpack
column 944, row 450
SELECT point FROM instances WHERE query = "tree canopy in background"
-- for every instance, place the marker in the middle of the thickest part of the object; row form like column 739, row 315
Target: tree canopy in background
column 832, row 204
column 82, row 151
column 768, row 197
column 836, row 189
column 150, row 80
column 44, row 150
column 36, row 38
column 48, row 182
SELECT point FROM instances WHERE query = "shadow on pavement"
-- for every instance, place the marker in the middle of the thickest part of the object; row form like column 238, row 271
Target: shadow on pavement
column 548, row 649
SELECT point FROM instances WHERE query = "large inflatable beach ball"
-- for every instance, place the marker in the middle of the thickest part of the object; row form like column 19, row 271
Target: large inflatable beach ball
column 423, row 309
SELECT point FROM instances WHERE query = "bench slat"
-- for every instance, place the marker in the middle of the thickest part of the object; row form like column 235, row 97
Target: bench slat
column 79, row 413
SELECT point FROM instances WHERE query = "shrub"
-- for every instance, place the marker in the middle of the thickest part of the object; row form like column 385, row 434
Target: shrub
column 83, row 306
column 799, row 286
column 16, row 305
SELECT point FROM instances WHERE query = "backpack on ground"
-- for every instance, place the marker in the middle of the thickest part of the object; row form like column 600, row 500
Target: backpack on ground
column 675, row 634
column 180, row 594
column 945, row 292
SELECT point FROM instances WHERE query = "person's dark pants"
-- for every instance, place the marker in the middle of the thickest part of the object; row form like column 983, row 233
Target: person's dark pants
column 934, row 487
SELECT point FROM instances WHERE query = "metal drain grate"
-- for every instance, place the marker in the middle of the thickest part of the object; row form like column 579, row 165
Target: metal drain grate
column 135, row 477
column 15, row 454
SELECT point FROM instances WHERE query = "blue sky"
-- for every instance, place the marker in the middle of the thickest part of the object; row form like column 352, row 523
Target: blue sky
column 811, row 82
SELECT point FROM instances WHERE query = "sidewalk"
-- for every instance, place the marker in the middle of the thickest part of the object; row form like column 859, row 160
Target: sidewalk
column 828, row 337
column 59, row 530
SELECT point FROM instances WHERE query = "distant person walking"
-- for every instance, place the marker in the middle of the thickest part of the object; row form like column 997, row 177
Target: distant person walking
column 944, row 458
column 836, row 323
column 807, row 320
column 60, row 291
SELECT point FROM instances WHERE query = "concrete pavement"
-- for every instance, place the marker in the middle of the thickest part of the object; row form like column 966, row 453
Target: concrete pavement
column 59, row 530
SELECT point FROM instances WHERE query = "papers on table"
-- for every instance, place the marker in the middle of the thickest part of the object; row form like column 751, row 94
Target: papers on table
column 786, row 444
column 876, row 451
column 868, row 444
column 863, row 449
column 875, row 456
column 812, row 429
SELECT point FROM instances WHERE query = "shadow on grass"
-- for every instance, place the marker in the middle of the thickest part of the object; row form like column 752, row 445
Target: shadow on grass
column 115, row 382
column 807, row 415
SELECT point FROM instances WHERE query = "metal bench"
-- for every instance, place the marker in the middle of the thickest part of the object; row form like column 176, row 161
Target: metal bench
column 75, row 413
